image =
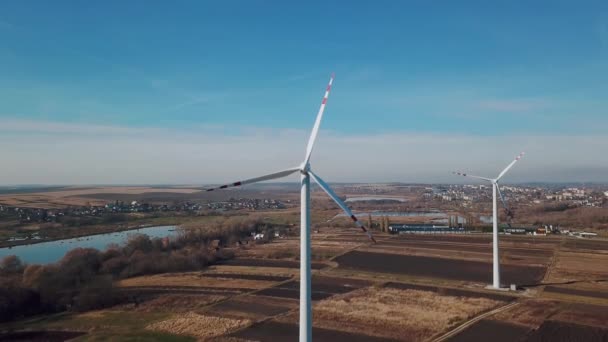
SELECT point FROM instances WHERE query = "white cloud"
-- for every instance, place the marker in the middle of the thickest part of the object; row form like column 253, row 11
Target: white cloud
column 59, row 153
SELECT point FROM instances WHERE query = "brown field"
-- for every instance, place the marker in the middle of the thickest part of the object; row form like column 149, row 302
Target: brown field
column 289, row 248
column 411, row 315
column 529, row 312
column 557, row 331
column 485, row 248
column 57, row 197
column 454, row 292
column 271, row 263
column 577, row 292
column 254, row 307
column 277, row 331
column 453, row 269
column 495, row 331
column 353, row 307
column 587, row 314
column 413, row 288
column 193, row 279
column 577, row 266
column 199, row 326
column 253, row 270
column 40, row 336
column 506, row 240
column 259, row 277
column 322, row 287
column 600, row 246
column 81, row 196
column 176, row 302
column 148, row 292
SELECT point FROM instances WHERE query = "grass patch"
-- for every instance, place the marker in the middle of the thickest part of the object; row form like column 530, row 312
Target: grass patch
column 135, row 337
column 199, row 326
column 404, row 314
column 193, row 279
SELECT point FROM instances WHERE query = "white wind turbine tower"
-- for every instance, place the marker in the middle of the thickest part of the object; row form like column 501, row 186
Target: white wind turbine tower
column 495, row 188
column 305, row 250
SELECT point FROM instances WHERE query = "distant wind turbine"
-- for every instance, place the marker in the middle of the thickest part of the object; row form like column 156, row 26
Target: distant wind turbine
column 495, row 188
column 305, row 248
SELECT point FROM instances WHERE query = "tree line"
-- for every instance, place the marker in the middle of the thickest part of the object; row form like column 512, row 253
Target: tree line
column 83, row 279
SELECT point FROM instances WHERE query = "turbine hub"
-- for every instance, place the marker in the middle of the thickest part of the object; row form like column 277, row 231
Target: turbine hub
column 304, row 168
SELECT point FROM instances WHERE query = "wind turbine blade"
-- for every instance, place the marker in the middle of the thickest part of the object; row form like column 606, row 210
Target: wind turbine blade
column 275, row 175
column 315, row 128
column 510, row 166
column 341, row 204
column 504, row 202
column 471, row 176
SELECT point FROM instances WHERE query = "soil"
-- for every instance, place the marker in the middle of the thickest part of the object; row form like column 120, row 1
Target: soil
column 489, row 330
column 271, row 263
column 555, row 331
column 245, row 276
column 144, row 294
column 322, row 287
column 577, row 292
column 40, row 336
column 274, row 331
column 486, row 248
column 293, row 293
column 450, row 291
column 519, row 241
column 593, row 245
column 453, row 269
column 251, row 307
column 587, row 314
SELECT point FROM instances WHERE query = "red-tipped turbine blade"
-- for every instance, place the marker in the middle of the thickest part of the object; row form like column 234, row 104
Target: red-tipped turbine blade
column 341, row 204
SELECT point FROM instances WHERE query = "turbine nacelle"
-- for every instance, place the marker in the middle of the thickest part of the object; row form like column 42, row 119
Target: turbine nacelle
column 305, row 168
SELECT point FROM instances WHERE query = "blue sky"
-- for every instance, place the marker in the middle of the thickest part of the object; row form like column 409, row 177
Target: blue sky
column 489, row 72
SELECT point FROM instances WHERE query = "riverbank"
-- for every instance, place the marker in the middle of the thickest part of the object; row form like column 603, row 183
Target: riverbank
column 52, row 251
column 92, row 230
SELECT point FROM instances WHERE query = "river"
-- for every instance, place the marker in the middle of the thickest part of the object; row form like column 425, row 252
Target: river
column 52, row 251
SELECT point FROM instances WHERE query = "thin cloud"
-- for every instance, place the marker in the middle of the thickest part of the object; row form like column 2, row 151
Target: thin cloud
column 517, row 105
column 119, row 155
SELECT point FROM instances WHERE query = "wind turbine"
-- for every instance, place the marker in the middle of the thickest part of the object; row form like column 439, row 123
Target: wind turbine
column 305, row 250
column 495, row 189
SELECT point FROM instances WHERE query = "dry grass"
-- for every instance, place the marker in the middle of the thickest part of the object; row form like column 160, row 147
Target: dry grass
column 429, row 252
column 272, row 271
column 579, row 267
column 530, row 313
column 199, row 326
column 178, row 303
column 193, row 279
column 404, row 314
column 254, row 308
